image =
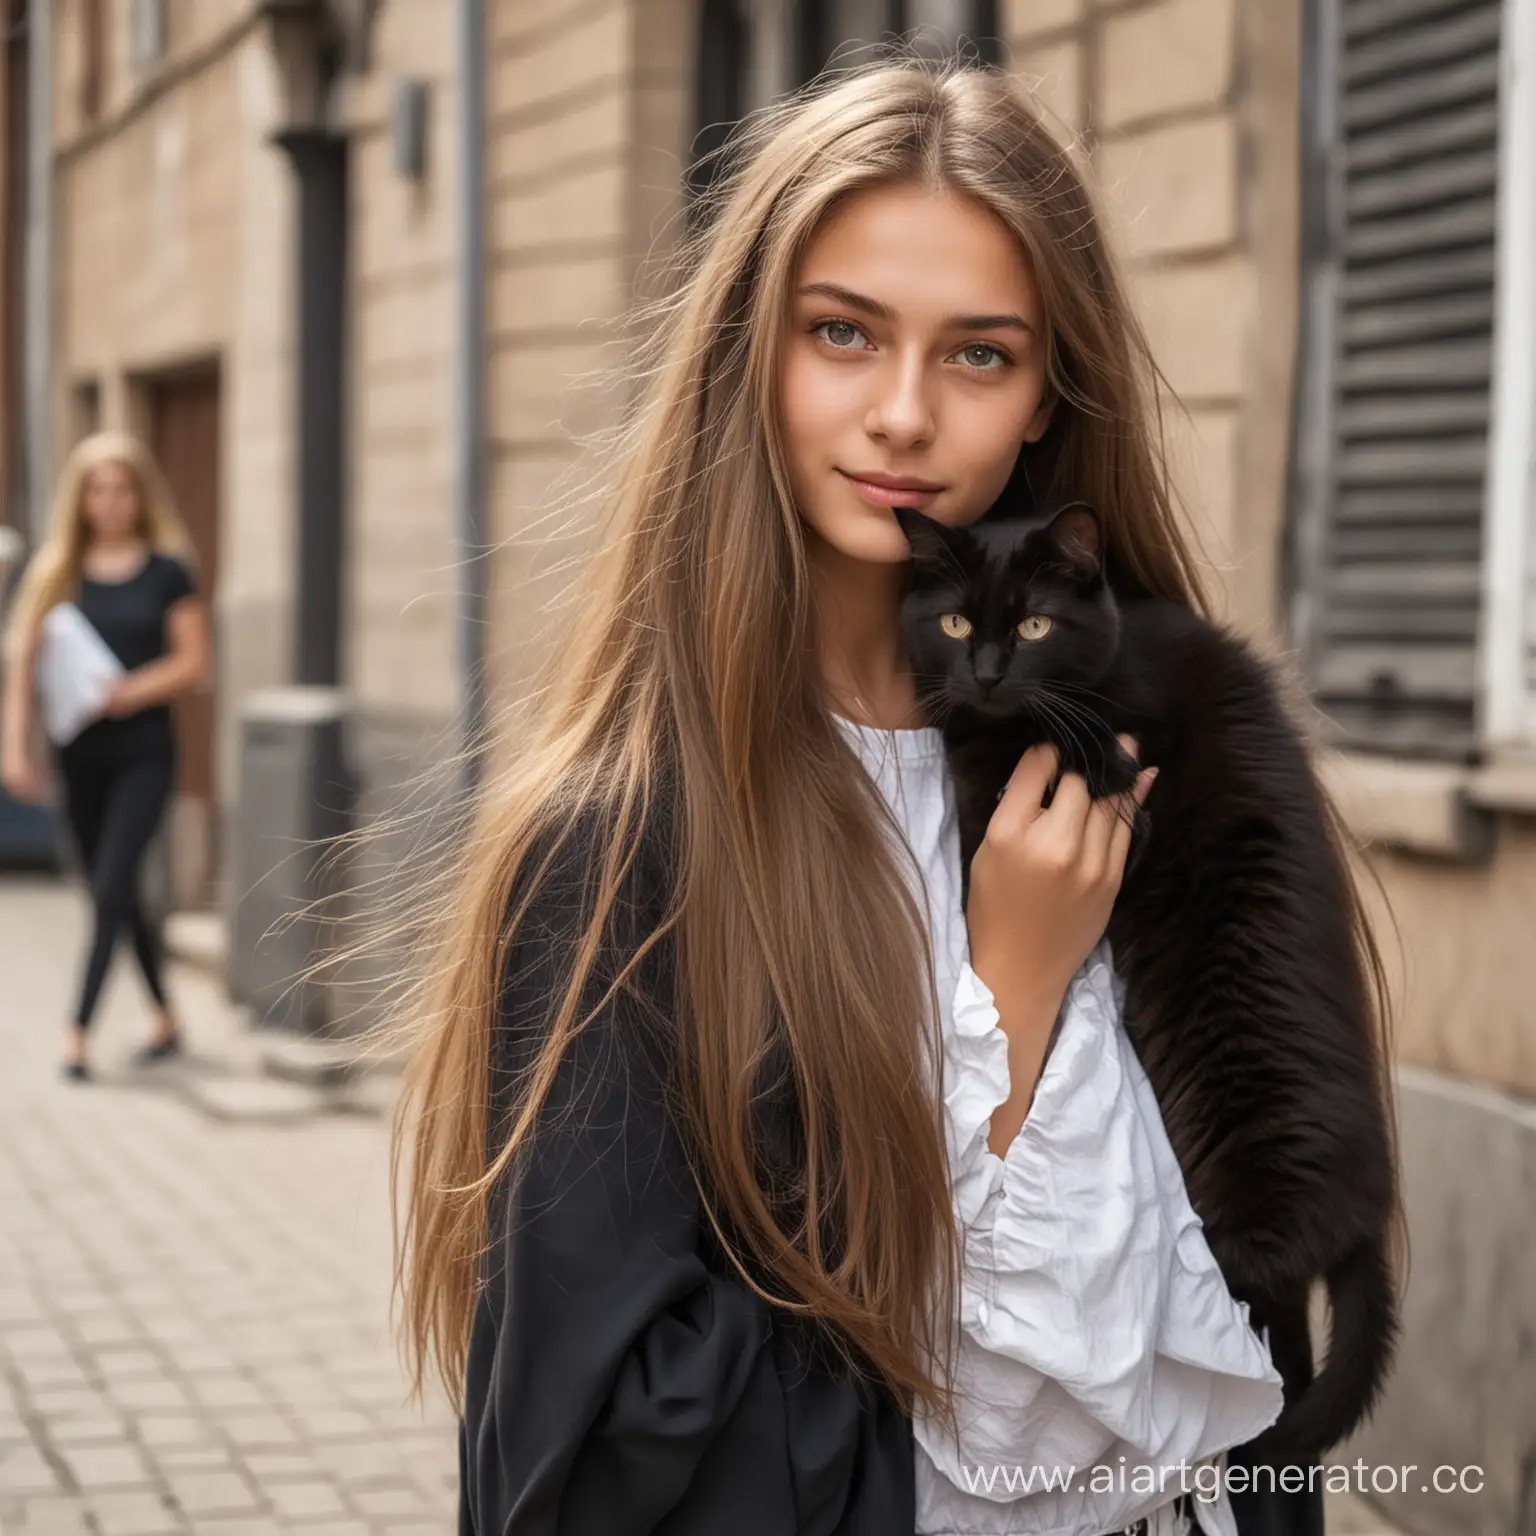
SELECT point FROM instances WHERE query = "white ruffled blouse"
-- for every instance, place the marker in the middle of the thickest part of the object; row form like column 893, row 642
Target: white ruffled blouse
column 1098, row 1342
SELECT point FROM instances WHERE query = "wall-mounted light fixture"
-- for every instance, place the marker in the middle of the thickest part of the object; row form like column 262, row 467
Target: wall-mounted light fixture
column 408, row 128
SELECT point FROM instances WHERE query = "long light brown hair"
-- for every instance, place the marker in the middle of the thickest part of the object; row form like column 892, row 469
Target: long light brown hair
column 52, row 575
column 691, row 657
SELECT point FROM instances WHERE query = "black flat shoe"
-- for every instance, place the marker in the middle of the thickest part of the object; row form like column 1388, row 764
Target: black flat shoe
column 159, row 1050
column 77, row 1072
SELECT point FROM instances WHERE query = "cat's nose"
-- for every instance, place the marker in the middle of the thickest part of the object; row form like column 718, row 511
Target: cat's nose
column 987, row 668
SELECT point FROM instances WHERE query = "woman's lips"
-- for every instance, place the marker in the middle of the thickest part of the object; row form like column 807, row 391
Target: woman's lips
column 880, row 495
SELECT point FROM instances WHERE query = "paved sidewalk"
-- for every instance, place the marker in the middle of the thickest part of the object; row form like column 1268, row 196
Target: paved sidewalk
column 194, row 1281
column 193, row 1312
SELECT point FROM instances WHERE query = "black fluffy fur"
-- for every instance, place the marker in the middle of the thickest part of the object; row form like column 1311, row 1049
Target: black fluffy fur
column 1245, row 998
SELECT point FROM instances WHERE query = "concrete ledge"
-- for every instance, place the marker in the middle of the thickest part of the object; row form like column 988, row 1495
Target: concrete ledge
column 1464, row 1391
column 313, row 1063
column 1507, row 785
column 1424, row 807
column 200, row 939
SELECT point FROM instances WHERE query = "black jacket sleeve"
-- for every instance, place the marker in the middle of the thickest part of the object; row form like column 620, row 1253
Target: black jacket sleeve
column 617, row 1382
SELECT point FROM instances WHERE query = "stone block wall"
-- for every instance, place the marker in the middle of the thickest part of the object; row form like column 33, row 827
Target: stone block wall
column 401, row 577
column 590, row 108
column 1184, row 112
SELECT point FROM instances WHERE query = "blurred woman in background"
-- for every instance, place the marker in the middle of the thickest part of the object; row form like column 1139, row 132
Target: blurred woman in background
column 118, row 550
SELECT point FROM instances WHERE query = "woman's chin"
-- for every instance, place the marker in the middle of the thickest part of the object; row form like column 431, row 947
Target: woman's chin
column 870, row 536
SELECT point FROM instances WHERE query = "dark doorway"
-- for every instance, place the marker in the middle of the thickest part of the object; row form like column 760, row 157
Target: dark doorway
column 183, row 417
column 745, row 56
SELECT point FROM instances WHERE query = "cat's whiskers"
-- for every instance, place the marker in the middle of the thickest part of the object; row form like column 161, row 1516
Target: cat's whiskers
column 1060, row 687
column 1064, row 723
column 1066, row 709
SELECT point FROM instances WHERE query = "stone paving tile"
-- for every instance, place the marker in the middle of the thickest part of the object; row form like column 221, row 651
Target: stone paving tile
column 200, row 1493
column 108, row 1466
column 260, row 1432
column 388, row 1503
column 50, row 1517
column 307, row 1501
column 172, row 1430
column 72, row 1431
column 135, row 1514
column 194, row 1457
column 24, row 1470
column 150, row 1395
column 231, row 1391
column 268, row 1467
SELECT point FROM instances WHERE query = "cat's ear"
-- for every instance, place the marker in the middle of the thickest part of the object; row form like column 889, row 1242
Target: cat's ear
column 927, row 538
column 1077, row 537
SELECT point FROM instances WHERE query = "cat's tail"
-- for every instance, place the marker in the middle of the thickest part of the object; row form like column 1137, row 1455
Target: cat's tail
column 1361, row 1337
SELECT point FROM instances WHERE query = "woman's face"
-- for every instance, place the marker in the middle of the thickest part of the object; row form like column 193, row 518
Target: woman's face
column 913, row 368
column 111, row 502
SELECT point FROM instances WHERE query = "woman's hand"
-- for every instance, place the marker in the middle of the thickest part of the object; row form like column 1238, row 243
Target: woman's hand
column 121, row 698
column 1043, row 884
column 23, row 779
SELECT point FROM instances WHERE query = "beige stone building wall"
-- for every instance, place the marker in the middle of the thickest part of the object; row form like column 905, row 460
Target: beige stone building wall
column 399, row 648
column 589, row 112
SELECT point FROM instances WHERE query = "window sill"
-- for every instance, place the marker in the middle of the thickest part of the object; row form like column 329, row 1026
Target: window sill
column 1439, row 810
column 1507, row 784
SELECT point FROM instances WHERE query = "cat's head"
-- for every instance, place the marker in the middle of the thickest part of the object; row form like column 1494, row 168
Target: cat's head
column 998, row 613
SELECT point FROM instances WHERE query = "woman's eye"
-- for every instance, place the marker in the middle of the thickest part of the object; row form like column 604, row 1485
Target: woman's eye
column 982, row 355
column 1036, row 627
column 955, row 625
column 842, row 334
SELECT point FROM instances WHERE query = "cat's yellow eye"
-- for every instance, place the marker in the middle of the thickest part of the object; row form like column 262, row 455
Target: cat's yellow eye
column 1036, row 627
column 955, row 625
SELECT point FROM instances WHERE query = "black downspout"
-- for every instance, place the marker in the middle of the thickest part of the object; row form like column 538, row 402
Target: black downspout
column 320, row 159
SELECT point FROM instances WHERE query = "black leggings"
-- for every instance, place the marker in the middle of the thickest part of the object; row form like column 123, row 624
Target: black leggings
column 113, row 805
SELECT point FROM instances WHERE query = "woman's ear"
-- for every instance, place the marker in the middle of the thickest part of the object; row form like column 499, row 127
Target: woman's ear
column 1039, row 423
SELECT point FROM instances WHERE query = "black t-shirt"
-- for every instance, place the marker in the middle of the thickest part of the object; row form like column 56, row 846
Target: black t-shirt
column 130, row 616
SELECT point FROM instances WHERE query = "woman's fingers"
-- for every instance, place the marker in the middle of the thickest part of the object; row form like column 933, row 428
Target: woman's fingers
column 1067, row 820
column 1125, row 825
column 1106, row 836
column 1020, row 803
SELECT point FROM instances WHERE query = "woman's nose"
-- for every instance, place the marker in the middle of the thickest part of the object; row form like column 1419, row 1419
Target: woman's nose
column 902, row 413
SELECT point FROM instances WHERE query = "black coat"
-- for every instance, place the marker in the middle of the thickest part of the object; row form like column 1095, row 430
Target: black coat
column 638, row 1384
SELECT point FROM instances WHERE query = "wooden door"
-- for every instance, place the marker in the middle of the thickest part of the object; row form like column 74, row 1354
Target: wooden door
column 184, row 433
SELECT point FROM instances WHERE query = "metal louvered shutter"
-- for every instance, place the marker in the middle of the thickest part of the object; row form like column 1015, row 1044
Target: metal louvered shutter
column 1396, row 372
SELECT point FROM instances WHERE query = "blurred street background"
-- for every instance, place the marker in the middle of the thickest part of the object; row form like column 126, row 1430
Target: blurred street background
column 350, row 267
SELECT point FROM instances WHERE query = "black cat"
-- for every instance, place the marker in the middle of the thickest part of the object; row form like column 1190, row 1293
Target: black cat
column 1245, row 998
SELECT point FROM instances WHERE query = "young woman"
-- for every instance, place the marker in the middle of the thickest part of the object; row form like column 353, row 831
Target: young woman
column 117, row 549
column 749, row 1191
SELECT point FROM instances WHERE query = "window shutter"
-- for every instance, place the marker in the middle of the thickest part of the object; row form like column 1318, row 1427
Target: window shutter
column 1394, row 386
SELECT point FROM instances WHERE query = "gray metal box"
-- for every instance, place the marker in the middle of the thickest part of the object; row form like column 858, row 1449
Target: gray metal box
column 296, row 792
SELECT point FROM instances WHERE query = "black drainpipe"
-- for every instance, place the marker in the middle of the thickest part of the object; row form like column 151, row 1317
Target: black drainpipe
column 472, row 531
column 319, row 157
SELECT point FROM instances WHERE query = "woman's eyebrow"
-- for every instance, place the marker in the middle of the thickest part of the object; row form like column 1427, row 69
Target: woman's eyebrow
column 851, row 300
